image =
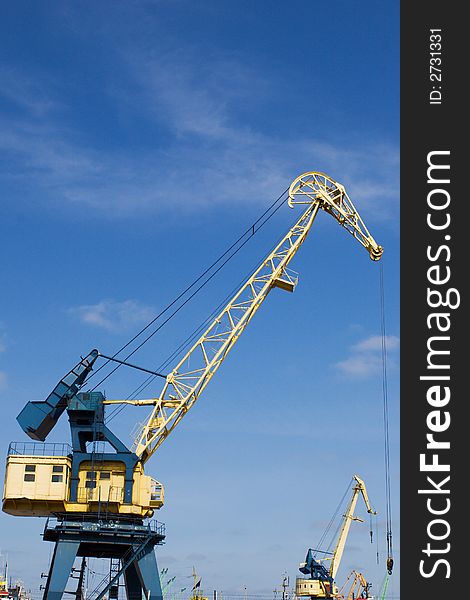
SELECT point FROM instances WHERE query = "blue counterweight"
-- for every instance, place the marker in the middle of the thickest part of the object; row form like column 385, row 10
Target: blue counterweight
column 38, row 418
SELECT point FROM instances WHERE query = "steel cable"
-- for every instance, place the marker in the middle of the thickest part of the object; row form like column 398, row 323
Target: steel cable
column 250, row 232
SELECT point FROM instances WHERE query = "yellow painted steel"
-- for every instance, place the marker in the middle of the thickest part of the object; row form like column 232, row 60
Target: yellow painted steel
column 36, row 485
column 318, row 187
column 359, row 588
column 188, row 379
column 43, row 495
column 39, row 486
column 312, row 588
column 315, row 588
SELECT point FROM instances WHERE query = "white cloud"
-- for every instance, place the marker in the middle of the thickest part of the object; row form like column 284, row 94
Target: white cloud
column 114, row 316
column 206, row 156
column 365, row 357
column 360, row 366
column 29, row 94
column 374, row 343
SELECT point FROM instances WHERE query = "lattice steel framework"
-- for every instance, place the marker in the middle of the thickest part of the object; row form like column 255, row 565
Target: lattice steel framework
column 188, row 379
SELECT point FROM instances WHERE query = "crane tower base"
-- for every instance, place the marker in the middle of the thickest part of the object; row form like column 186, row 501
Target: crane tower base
column 129, row 542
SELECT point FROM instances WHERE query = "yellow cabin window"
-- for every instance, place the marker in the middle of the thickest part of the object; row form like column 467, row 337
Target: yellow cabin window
column 29, row 473
column 105, row 475
column 91, row 474
column 57, row 469
column 57, row 478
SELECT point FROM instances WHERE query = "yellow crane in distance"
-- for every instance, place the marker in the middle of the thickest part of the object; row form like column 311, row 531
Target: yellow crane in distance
column 358, row 489
column 321, row 583
column 358, row 589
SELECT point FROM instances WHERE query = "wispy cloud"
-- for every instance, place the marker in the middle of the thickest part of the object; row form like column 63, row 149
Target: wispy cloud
column 374, row 344
column 365, row 356
column 29, row 94
column 113, row 316
column 205, row 154
column 196, row 556
column 238, row 162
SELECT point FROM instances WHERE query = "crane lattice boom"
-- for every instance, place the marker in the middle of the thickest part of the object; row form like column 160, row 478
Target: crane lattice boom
column 188, row 379
column 348, row 517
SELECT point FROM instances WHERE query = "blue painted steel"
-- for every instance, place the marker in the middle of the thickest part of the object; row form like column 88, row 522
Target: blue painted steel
column 149, row 577
column 315, row 569
column 130, row 541
column 133, row 583
column 61, row 567
column 86, row 418
column 39, row 417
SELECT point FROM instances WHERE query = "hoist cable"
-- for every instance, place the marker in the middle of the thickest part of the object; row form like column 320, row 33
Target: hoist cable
column 121, row 362
column 377, row 539
column 189, row 340
column 386, row 424
column 178, row 351
column 333, row 519
column 250, row 232
column 144, row 384
column 187, row 299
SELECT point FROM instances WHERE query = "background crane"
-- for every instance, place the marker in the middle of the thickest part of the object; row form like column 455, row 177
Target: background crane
column 321, row 583
column 358, row 589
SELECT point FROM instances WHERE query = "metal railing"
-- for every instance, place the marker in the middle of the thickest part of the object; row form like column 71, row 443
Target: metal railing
column 156, row 491
column 97, row 494
column 39, row 449
column 101, row 523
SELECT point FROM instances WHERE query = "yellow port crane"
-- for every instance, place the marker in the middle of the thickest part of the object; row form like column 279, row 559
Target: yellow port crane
column 359, row 588
column 321, row 581
column 40, row 484
column 101, row 499
column 184, row 385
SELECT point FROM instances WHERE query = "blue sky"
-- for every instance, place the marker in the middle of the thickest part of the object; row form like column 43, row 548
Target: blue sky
column 138, row 140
